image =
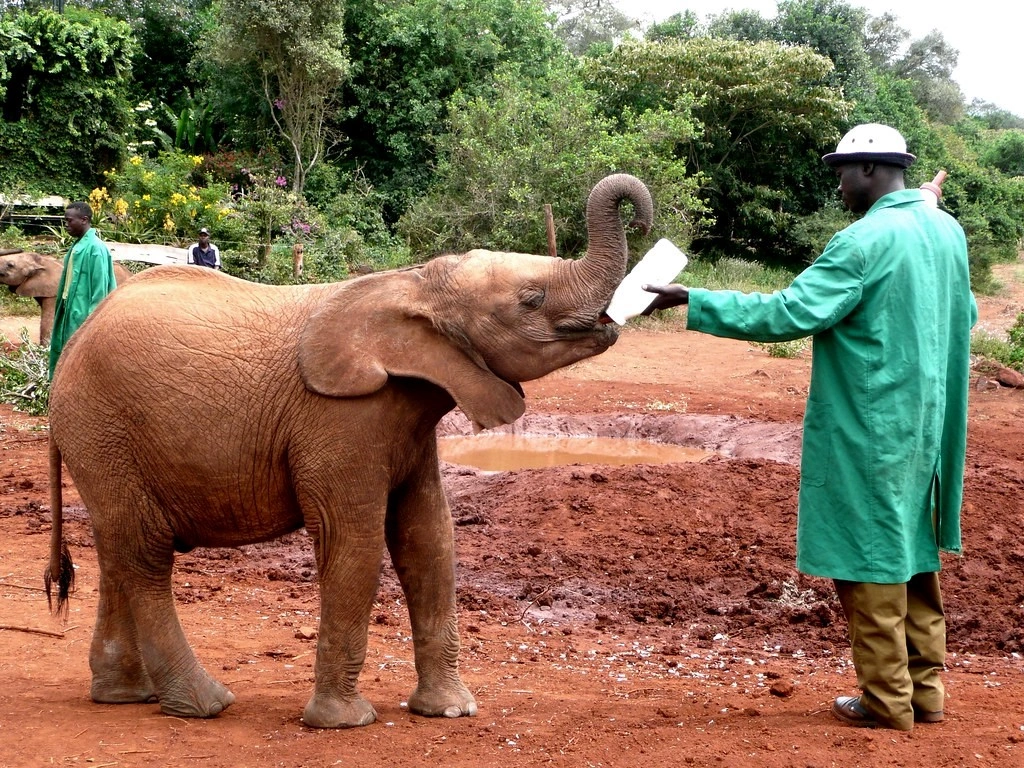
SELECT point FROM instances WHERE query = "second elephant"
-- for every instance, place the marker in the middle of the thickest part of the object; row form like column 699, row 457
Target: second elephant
column 33, row 275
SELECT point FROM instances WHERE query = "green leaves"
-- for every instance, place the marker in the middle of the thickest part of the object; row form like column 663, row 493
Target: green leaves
column 24, row 375
column 64, row 81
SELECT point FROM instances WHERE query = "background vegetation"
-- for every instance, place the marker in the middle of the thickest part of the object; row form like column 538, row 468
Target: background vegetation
column 384, row 132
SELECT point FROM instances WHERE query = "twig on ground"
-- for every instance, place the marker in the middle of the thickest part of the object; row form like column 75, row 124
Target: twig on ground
column 30, row 630
column 530, row 604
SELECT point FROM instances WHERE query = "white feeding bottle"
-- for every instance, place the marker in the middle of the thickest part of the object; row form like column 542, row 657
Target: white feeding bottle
column 659, row 266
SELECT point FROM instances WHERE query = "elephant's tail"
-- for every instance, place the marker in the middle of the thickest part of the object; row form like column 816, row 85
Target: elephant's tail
column 61, row 570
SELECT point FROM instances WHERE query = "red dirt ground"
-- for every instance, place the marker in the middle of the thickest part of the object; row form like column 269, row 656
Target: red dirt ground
column 611, row 616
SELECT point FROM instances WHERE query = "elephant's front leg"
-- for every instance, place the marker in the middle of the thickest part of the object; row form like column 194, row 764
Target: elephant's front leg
column 348, row 555
column 420, row 540
column 47, row 305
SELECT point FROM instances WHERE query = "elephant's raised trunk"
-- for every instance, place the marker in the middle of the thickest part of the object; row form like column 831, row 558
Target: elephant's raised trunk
column 604, row 265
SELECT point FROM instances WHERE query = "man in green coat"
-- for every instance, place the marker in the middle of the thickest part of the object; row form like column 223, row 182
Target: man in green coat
column 890, row 308
column 87, row 277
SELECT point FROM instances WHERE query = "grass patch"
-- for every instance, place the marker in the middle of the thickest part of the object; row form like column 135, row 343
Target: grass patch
column 736, row 275
column 1008, row 351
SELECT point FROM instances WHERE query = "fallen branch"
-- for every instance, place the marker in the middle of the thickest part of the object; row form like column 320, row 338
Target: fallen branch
column 5, row 585
column 30, row 630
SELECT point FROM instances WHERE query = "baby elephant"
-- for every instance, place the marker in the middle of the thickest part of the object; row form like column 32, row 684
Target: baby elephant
column 312, row 406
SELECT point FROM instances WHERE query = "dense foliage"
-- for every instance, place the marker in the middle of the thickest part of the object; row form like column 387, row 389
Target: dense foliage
column 63, row 83
column 377, row 132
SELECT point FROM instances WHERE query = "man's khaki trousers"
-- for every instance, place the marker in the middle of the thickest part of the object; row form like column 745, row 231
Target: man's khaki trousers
column 898, row 639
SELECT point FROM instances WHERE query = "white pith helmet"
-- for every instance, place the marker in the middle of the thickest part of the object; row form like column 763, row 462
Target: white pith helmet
column 871, row 143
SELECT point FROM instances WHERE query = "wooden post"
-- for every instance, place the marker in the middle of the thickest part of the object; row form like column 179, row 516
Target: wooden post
column 550, row 220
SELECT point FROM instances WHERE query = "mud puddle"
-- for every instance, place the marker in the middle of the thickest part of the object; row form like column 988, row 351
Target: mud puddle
column 727, row 436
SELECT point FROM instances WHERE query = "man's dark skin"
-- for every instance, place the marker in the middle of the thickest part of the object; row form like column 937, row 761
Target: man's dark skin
column 860, row 186
column 75, row 223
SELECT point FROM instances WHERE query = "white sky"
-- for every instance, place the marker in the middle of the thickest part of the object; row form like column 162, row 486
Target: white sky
column 987, row 33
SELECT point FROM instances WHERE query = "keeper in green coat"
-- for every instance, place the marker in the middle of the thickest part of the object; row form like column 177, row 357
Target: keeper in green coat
column 85, row 280
column 890, row 309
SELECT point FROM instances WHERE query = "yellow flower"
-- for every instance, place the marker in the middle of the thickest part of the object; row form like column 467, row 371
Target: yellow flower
column 145, row 197
column 197, row 159
column 147, row 175
column 177, row 199
column 135, row 160
column 120, row 207
column 169, row 224
column 97, row 197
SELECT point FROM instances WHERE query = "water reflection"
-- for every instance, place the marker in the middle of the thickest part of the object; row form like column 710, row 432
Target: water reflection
column 499, row 451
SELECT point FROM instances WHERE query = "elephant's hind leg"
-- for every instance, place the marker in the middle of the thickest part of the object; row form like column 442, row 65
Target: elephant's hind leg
column 137, row 562
column 119, row 673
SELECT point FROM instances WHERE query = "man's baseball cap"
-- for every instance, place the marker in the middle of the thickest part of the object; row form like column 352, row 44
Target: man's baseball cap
column 204, row 231
column 871, row 143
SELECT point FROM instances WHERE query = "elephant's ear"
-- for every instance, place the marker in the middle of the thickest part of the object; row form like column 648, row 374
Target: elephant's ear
column 40, row 282
column 378, row 326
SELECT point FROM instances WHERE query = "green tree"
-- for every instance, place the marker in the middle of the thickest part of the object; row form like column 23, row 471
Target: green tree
column 994, row 116
column 929, row 64
column 582, row 24
column 510, row 154
column 883, row 40
column 293, row 52
column 409, row 58
column 766, row 114
column 741, row 25
column 66, row 115
column 168, row 33
column 1005, row 153
column 678, row 26
column 833, row 28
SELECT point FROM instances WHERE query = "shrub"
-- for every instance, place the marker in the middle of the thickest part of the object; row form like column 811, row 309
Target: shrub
column 161, row 199
column 24, row 375
column 1008, row 352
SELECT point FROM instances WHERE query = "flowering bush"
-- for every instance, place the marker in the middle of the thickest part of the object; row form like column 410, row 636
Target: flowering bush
column 161, row 199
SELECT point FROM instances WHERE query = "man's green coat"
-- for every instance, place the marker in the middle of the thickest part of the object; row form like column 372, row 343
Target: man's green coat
column 87, row 277
column 885, row 431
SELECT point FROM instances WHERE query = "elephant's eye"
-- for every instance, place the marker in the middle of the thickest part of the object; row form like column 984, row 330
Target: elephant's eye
column 532, row 298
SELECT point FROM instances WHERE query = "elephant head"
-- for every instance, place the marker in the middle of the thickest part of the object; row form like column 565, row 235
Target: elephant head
column 477, row 323
column 29, row 274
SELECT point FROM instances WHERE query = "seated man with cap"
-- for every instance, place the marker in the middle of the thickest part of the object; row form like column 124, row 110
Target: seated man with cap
column 890, row 308
column 203, row 253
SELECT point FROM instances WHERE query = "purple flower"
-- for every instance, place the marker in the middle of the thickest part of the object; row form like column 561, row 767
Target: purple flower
column 281, row 181
column 279, row 103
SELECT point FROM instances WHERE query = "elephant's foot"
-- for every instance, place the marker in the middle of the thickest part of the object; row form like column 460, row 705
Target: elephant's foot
column 325, row 712
column 199, row 696
column 437, row 702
